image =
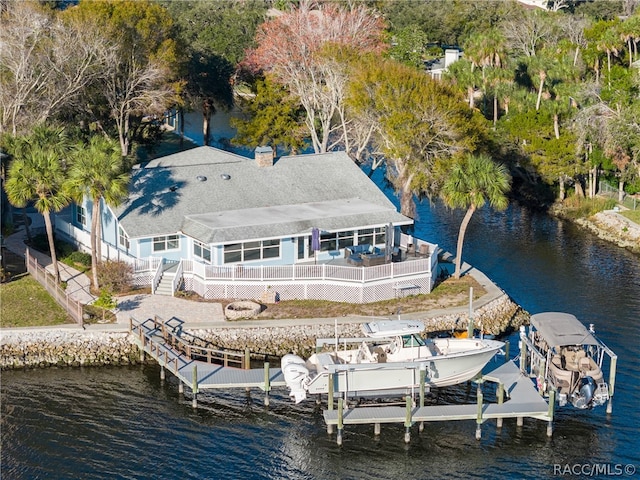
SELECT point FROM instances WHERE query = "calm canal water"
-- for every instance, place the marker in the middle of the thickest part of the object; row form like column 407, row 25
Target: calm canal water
column 123, row 423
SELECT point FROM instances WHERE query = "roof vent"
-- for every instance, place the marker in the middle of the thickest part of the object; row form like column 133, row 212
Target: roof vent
column 225, row 176
column 201, row 178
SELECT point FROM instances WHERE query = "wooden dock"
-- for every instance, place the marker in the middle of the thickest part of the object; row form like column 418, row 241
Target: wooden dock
column 523, row 401
column 200, row 368
column 203, row 367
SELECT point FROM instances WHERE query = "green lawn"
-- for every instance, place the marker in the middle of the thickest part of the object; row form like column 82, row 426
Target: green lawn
column 25, row 303
column 633, row 215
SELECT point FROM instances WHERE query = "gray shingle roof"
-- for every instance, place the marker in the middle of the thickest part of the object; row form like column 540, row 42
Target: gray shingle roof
column 297, row 193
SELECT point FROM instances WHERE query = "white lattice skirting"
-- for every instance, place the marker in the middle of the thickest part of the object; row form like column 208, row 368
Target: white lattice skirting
column 335, row 292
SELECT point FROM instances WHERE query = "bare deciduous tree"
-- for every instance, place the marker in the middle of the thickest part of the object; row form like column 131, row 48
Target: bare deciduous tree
column 136, row 90
column 290, row 46
column 46, row 63
column 526, row 34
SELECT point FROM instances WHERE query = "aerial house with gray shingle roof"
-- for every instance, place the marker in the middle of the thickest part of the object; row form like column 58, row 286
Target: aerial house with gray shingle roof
column 226, row 226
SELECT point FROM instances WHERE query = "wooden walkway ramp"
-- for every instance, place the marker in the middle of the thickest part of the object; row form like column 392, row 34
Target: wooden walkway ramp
column 523, row 401
column 199, row 367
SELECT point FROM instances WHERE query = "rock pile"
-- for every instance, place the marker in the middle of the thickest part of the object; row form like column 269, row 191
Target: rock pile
column 45, row 348
column 61, row 347
column 615, row 228
column 499, row 316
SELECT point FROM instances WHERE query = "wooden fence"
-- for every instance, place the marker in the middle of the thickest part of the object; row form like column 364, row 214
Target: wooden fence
column 73, row 307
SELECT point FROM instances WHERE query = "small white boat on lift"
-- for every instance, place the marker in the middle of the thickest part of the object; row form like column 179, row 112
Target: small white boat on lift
column 566, row 357
column 390, row 359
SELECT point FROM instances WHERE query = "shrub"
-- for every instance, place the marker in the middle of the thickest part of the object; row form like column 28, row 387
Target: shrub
column 40, row 242
column 80, row 258
column 64, row 249
column 586, row 207
column 115, row 277
column 105, row 300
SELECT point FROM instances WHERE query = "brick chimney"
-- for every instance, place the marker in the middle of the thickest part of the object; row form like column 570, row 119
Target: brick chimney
column 264, row 156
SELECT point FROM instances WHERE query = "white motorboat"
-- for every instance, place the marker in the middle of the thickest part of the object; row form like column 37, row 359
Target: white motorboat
column 390, row 358
column 566, row 357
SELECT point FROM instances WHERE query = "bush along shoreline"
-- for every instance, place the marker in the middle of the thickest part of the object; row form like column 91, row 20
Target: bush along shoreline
column 59, row 347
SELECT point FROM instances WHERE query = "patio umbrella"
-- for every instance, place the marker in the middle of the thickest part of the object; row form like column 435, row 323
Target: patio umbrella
column 315, row 239
column 315, row 242
column 388, row 242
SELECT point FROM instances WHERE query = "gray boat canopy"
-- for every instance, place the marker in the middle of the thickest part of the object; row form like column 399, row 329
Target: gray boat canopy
column 562, row 329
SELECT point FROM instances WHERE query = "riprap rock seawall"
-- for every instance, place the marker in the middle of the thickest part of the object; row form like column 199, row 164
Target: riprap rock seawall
column 65, row 347
column 75, row 347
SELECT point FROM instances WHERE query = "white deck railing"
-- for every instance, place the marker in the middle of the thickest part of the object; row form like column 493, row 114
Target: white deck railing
column 177, row 278
column 262, row 273
column 156, row 278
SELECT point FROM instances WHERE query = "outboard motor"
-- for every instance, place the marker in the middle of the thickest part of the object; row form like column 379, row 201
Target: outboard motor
column 584, row 397
column 296, row 374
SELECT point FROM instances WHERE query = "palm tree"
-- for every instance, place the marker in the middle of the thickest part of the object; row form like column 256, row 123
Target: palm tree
column 38, row 173
column 629, row 32
column 486, row 50
column 609, row 43
column 473, row 181
column 97, row 172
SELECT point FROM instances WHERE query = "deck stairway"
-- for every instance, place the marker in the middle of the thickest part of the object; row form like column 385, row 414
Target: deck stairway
column 168, row 274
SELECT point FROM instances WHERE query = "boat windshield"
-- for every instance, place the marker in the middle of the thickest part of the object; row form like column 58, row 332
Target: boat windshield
column 412, row 341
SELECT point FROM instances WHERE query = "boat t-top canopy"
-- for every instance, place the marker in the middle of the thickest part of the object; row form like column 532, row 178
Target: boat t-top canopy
column 392, row 328
column 562, row 329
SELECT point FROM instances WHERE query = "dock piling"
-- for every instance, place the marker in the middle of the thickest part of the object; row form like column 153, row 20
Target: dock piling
column 479, row 412
column 143, row 341
column 376, row 429
column 407, row 421
column 162, row 374
column 423, row 375
column 500, row 395
column 330, row 401
column 523, row 357
column 180, row 387
column 194, row 387
column 340, row 424
column 612, row 382
column 267, row 384
column 552, row 405
column 506, row 351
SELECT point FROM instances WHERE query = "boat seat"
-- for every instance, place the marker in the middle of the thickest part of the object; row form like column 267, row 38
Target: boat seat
column 561, row 378
column 365, row 353
column 572, row 359
column 584, row 363
column 589, row 368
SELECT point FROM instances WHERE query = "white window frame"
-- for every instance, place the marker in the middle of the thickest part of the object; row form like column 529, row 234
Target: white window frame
column 81, row 215
column 203, row 247
column 257, row 246
column 123, row 238
column 165, row 240
column 377, row 235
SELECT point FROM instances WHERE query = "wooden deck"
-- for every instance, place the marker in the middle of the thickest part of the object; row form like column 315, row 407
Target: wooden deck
column 158, row 339
column 155, row 338
column 523, row 401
